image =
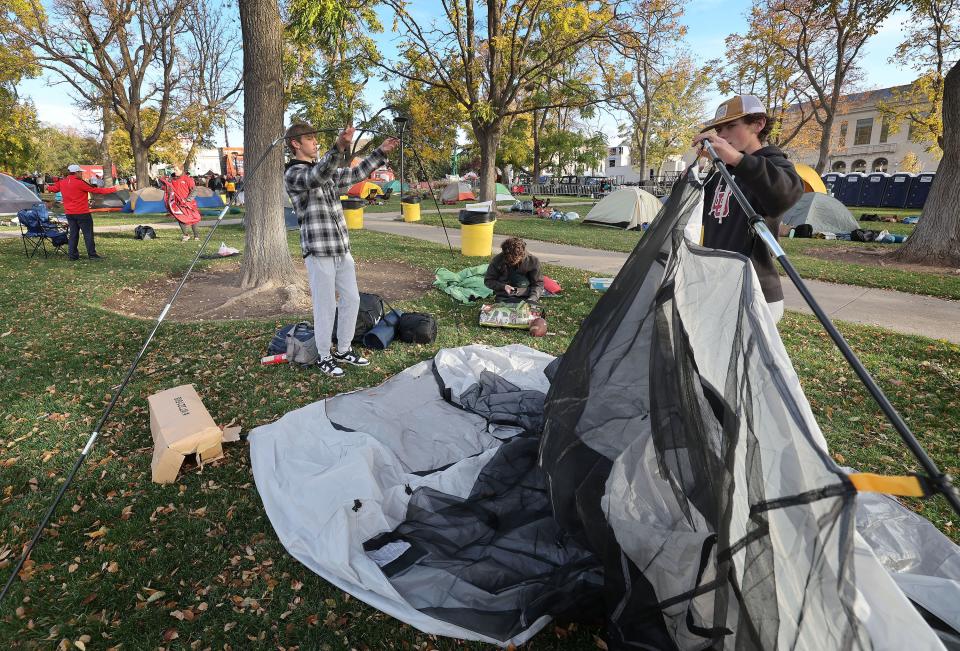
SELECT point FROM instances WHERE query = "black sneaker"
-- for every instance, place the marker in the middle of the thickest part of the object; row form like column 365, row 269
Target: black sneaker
column 95, row 257
column 351, row 357
column 329, row 367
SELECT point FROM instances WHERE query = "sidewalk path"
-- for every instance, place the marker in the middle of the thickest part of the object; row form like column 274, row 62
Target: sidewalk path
column 911, row 314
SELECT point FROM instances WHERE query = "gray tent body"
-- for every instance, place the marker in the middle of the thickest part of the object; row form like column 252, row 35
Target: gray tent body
column 824, row 213
column 15, row 196
column 473, row 497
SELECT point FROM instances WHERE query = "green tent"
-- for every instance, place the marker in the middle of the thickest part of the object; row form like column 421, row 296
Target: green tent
column 503, row 194
column 395, row 186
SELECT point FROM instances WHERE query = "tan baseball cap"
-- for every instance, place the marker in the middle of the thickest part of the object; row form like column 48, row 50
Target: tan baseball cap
column 733, row 108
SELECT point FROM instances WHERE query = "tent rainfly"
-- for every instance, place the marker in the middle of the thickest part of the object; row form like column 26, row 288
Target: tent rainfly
column 15, row 196
column 457, row 191
column 824, row 213
column 146, row 200
column 811, row 180
column 667, row 467
column 207, row 198
column 626, row 208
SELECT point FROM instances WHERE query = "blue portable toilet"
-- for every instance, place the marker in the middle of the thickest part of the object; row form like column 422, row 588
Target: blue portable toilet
column 848, row 189
column 830, row 180
column 872, row 188
column 919, row 189
column 898, row 187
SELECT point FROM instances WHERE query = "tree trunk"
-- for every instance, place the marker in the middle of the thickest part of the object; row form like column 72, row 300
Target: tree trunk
column 266, row 259
column 825, row 141
column 105, row 160
column 536, row 148
column 936, row 238
column 141, row 162
column 488, row 137
column 226, row 136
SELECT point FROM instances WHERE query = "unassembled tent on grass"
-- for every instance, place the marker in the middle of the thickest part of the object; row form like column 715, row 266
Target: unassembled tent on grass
column 666, row 474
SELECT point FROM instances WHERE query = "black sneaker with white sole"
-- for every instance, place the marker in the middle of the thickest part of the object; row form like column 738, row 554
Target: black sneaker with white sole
column 351, row 357
column 329, row 366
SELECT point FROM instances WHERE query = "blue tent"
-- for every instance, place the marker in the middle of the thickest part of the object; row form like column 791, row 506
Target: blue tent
column 898, row 187
column 919, row 189
column 830, row 180
column 872, row 188
column 848, row 189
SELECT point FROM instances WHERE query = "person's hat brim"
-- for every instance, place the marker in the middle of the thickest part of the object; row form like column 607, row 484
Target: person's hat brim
column 724, row 120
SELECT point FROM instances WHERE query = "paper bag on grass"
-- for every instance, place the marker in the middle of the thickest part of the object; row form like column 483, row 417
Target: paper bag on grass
column 181, row 426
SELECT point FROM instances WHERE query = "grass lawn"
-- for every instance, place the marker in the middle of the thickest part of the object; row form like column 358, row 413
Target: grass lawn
column 197, row 562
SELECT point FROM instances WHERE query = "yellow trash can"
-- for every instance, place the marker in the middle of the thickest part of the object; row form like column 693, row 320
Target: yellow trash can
column 353, row 212
column 476, row 233
column 410, row 208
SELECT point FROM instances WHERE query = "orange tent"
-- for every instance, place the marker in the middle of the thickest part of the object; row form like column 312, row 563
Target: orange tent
column 363, row 189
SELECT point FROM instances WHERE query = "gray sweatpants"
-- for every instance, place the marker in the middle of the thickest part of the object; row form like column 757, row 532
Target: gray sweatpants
column 333, row 286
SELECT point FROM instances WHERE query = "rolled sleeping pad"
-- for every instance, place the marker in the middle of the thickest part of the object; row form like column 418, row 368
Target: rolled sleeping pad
column 381, row 335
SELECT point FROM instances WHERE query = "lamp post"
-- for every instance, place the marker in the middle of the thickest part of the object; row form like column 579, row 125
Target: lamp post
column 401, row 122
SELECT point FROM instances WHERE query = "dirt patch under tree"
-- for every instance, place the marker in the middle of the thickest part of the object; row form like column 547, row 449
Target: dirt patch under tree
column 874, row 257
column 207, row 294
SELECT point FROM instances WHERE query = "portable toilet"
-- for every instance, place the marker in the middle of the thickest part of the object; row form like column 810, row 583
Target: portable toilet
column 830, row 180
column 898, row 187
column 848, row 189
column 872, row 188
column 919, row 189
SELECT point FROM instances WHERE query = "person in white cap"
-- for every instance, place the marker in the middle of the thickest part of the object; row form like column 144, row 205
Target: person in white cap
column 738, row 133
column 76, row 204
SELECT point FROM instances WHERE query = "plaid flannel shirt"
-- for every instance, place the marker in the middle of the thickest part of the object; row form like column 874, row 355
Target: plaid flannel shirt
column 314, row 190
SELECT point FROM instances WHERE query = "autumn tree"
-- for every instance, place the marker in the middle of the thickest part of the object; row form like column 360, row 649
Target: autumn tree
column 936, row 239
column 824, row 41
column 434, row 121
column 167, row 149
column 931, row 42
column 756, row 65
column 647, row 72
column 19, row 117
column 677, row 110
column 121, row 51
column 212, row 82
column 57, row 148
column 488, row 54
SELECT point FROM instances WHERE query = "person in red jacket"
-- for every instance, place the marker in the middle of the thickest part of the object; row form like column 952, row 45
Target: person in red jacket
column 76, row 204
column 181, row 202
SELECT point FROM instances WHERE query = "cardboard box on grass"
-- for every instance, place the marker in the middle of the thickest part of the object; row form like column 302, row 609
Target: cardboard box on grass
column 182, row 426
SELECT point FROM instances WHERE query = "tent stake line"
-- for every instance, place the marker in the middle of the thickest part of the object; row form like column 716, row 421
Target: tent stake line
column 941, row 481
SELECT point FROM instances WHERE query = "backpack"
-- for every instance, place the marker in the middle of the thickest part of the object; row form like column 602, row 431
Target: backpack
column 863, row 235
column 297, row 341
column 142, row 232
column 369, row 315
column 803, row 230
column 417, row 328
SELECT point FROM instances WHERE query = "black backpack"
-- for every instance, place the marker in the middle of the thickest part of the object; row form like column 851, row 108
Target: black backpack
column 803, row 230
column 417, row 328
column 142, row 232
column 863, row 235
column 370, row 312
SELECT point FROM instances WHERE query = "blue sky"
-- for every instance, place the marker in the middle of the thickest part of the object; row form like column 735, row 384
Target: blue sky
column 709, row 22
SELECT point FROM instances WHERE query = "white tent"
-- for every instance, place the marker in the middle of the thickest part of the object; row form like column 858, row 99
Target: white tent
column 503, row 194
column 15, row 196
column 626, row 208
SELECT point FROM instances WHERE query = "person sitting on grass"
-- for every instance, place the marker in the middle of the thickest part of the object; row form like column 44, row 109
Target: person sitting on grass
column 514, row 275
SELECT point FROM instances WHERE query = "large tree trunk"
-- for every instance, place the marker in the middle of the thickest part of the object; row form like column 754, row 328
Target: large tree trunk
column 488, row 138
column 105, row 160
column 936, row 239
column 536, row 148
column 141, row 161
column 825, row 142
column 266, row 259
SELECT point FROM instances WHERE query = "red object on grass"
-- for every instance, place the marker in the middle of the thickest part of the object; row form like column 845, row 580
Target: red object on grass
column 551, row 285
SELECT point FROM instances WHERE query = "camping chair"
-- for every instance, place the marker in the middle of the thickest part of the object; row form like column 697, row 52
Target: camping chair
column 38, row 229
column 384, row 197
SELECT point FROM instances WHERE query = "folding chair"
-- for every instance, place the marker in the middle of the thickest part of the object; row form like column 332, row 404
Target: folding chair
column 38, row 229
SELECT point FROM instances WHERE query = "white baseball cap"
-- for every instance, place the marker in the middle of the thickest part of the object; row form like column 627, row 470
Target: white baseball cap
column 733, row 108
column 73, row 168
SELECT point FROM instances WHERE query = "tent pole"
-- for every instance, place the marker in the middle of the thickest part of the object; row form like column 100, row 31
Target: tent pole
column 942, row 481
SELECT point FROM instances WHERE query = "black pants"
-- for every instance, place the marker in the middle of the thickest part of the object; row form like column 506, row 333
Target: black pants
column 77, row 223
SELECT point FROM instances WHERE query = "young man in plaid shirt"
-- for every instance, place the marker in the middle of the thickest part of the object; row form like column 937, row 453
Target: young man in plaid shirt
column 314, row 186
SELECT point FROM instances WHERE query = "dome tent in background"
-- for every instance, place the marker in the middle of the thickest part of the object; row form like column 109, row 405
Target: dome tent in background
column 626, row 208
column 15, row 196
column 824, row 213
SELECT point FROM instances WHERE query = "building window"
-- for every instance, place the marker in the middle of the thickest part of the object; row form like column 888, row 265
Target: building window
column 843, row 135
column 880, row 165
column 864, row 132
column 839, row 166
column 859, row 166
column 613, row 151
column 884, row 129
column 613, row 163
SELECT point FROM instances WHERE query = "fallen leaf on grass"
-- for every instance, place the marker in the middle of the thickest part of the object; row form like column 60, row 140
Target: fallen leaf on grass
column 170, row 634
column 99, row 533
column 156, row 595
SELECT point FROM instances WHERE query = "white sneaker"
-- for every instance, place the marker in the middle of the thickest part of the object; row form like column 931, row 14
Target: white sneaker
column 351, row 357
column 328, row 366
